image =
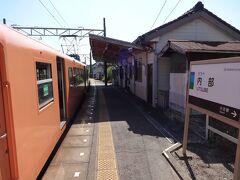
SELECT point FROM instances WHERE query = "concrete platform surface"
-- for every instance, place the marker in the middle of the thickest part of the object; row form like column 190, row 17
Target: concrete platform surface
column 111, row 139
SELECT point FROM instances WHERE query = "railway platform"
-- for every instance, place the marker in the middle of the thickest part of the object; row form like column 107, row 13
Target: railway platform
column 112, row 137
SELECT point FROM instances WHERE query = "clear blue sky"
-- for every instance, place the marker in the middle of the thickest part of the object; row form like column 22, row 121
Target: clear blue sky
column 125, row 19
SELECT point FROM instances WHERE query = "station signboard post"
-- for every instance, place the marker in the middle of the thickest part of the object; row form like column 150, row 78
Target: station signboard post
column 214, row 89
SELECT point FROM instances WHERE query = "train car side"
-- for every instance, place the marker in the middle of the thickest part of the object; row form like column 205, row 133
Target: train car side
column 33, row 72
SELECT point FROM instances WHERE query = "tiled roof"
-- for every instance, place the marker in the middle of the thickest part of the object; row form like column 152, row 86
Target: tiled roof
column 184, row 47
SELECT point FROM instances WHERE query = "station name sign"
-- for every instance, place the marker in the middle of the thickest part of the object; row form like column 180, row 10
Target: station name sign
column 216, row 88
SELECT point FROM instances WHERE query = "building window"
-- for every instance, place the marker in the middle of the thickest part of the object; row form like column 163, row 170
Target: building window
column 76, row 77
column 44, row 83
column 138, row 71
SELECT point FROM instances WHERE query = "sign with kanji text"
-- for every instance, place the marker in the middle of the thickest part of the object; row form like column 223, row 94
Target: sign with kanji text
column 216, row 87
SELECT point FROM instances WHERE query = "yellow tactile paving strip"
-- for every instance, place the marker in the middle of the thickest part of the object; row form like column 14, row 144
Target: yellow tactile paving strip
column 106, row 159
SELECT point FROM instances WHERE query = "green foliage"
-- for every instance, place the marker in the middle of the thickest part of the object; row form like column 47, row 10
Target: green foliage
column 109, row 74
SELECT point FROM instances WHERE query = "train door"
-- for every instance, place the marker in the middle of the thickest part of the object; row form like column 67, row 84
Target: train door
column 61, row 88
column 4, row 156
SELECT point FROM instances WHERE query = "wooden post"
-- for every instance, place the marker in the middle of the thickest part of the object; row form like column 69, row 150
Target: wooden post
column 187, row 111
column 237, row 160
column 207, row 124
column 186, row 126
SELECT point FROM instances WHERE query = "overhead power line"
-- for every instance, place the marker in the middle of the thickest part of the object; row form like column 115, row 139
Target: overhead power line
column 58, row 13
column 171, row 11
column 50, row 13
column 159, row 13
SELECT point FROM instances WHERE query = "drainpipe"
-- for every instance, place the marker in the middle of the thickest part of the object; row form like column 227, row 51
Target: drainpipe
column 155, row 77
column 134, row 82
column 146, row 76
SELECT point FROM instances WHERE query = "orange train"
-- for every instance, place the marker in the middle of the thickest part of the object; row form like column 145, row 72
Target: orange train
column 40, row 90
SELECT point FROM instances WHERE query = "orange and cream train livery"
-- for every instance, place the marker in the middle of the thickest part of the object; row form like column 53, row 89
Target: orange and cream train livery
column 40, row 90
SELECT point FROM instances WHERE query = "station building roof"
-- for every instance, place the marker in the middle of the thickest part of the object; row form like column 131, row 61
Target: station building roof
column 184, row 47
column 201, row 50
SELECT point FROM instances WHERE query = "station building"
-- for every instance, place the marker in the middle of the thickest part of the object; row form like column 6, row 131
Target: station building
column 98, row 70
column 155, row 66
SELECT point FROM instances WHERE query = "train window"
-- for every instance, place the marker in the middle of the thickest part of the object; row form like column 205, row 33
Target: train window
column 78, row 77
column 71, row 77
column 44, row 83
column 82, row 77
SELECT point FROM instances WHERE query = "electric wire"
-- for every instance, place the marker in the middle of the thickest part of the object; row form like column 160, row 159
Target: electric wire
column 172, row 11
column 50, row 13
column 159, row 13
column 58, row 13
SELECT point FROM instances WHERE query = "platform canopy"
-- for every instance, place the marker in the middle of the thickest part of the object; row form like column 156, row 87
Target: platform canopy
column 110, row 50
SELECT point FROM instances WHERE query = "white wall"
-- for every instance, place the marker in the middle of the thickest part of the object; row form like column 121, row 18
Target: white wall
column 177, row 91
column 141, row 87
column 150, row 58
column 199, row 30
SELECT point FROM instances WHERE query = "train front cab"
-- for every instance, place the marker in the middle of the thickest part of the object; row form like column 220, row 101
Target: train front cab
column 8, row 159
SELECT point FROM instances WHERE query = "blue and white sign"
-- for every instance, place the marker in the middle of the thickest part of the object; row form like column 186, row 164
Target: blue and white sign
column 216, row 87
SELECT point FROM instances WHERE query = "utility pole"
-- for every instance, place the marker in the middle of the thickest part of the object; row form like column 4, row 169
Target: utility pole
column 105, row 62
